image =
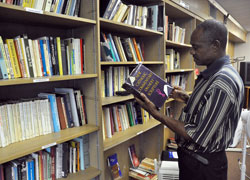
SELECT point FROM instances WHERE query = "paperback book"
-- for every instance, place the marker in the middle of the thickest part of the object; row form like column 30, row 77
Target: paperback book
column 143, row 80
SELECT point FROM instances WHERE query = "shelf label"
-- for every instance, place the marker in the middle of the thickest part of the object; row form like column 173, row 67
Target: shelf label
column 139, row 132
column 34, row 10
column 49, row 145
column 139, row 27
column 41, row 80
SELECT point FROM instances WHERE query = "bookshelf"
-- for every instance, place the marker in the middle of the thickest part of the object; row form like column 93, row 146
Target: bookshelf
column 140, row 134
column 17, row 20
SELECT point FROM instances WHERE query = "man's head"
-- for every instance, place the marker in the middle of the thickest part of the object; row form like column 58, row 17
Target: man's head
column 208, row 42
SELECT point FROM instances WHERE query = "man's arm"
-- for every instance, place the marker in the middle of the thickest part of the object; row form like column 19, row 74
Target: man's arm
column 175, row 125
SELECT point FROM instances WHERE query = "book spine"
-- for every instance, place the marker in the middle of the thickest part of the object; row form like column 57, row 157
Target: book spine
column 13, row 58
column 28, row 55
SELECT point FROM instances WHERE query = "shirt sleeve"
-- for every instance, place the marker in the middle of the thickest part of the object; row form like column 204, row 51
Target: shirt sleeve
column 210, row 114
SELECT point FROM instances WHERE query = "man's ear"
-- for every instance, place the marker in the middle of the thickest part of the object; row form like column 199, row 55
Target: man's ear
column 216, row 45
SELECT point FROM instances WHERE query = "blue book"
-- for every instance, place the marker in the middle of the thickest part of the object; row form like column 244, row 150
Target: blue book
column 59, row 6
column 114, row 165
column 72, row 7
column 54, row 111
column 49, row 52
column 2, row 63
column 80, row 140
column 43, row 58
column 113, row 47
column 154, row 11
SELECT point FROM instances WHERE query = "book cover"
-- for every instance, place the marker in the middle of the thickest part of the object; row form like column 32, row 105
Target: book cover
column 114, row 166
column 143, row 80
column 133, row 157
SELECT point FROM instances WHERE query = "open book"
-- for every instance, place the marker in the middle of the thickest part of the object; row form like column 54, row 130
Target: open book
column 143, row 80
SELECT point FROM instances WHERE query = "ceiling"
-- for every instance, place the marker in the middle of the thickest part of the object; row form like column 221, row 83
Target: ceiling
column 239, row 10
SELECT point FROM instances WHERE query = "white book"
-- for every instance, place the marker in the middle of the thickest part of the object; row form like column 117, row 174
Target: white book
column 32, row 57
column 70, row 91
column 144, row 16
column 18, row 121
column 37, row 58
column 2, row 127
column 11, row 124
column 39, row 4
column 115, row 9
column 107, row 121
column 47, row 5
column 36, row 157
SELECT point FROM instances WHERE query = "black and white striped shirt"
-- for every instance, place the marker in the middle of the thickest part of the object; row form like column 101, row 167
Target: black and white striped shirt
column 213, row 110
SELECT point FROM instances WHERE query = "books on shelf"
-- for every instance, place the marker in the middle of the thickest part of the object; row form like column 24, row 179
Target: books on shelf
column 49, row 112
column 45, row 56
column 51, row 163
column 143, row 80
column 150, row 17
column 67, row 7
column 117, row 49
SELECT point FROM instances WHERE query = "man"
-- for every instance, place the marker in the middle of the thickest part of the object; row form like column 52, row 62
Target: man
column 208, row 121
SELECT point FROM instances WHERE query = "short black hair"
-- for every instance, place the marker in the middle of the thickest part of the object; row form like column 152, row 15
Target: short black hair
column 214, row 30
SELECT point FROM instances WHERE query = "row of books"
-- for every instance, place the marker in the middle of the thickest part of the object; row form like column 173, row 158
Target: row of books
column 172, row 59
column 22, row 57
column 179, row 79
column 67, row 7
column 112, row 79
column 174, row 32
column 121, row 49
column 120, row 117
column 150, row 17
column 50, row 112
column 52, row 163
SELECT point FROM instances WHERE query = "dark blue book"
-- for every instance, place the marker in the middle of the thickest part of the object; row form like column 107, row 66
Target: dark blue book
column 143, row 80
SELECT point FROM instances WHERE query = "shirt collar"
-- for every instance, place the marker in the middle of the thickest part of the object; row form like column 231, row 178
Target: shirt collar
column 215, row 67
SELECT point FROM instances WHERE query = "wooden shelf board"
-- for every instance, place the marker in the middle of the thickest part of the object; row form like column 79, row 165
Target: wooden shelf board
column 45, row 79
column 176, row 44
column 115, row 99
column 123, row 28
column 123, row 136
column 175, row 10
column 179, row 70
column 12, row 13
column 20, row 149
column 130, row 63
column 87, row 174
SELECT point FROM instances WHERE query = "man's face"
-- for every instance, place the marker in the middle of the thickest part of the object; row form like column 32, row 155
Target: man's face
column 202, row 50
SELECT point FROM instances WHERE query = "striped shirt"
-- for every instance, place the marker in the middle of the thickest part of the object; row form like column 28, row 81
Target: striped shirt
column 213, row 110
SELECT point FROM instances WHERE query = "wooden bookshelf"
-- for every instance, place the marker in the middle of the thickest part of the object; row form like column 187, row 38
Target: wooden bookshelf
column 177, row 45
column 45, row 79
column 130, row 63
column 113, row 26
column 88, row 174
column 179, row 70
column 20, row 149
column 115, row 99
column 16, row 21
column 120, row 137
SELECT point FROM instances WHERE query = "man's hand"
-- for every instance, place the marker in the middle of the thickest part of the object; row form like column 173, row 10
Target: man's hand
column 146, row 104
column 179, row 94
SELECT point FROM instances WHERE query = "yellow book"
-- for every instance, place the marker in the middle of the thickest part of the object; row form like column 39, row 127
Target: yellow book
column 59, row 52
column 13, row 58
column 28, row 3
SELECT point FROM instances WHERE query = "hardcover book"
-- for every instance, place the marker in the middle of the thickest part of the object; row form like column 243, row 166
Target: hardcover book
column 143, row 80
